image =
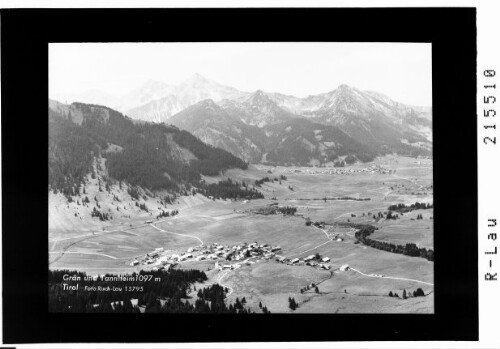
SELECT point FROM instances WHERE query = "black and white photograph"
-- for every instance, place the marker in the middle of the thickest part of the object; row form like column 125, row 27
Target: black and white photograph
column 241, row 177
column 211, row 174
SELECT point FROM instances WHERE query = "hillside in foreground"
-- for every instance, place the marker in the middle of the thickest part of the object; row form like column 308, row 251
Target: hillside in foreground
column 152, row 156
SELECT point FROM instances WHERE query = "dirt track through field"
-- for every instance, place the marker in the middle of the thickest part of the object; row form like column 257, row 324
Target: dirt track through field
column 90, row 253
column 390, row 277
column 169, row 232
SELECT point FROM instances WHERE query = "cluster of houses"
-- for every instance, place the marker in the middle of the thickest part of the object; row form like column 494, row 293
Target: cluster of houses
column 339, row 170
column 311, row 260
column 160, row 259
column 245, row 252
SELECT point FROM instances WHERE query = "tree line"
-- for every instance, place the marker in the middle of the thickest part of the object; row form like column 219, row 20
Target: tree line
column 274, row 209
column 227, row 189
column 417, row 293
column 409, row 249
column 407, row 208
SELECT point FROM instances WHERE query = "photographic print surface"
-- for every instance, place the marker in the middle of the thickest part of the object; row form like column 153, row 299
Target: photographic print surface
column 240, row 178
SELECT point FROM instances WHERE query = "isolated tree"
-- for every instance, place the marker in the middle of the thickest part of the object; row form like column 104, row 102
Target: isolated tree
column 316, row 289
column 419, row 292
column 260, row 305
column 390, row 294
column 404, row 294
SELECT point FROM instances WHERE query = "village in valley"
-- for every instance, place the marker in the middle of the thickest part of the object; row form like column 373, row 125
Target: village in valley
column 305, row 230
column 227, row 257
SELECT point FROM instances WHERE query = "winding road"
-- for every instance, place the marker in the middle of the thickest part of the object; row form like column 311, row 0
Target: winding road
column 219, row 281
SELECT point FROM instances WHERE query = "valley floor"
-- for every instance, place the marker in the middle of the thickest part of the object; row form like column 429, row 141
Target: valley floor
column 78, row 242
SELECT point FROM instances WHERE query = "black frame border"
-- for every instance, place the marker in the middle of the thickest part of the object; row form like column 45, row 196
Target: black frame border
column 25, row 34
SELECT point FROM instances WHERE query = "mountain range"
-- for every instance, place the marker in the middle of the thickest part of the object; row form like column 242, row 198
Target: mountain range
column 277, row 128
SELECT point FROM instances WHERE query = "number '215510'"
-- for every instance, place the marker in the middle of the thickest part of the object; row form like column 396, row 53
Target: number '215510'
column 488, row 101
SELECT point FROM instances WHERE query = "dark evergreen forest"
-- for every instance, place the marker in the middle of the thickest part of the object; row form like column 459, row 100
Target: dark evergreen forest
column 166, row 292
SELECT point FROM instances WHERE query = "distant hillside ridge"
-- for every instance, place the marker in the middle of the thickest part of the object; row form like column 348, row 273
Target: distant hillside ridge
column 153, row 156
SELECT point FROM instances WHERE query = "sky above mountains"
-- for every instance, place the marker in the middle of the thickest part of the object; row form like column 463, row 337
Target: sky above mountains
column 403, row 71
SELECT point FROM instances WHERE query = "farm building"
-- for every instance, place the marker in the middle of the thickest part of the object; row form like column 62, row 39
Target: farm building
column 325, row 259
column 135, row 262
column 345, row 267
column 295, row 260
column 308, row 258
column 159, row 249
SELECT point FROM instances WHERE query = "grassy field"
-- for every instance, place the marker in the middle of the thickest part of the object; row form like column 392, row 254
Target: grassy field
column 79, row 242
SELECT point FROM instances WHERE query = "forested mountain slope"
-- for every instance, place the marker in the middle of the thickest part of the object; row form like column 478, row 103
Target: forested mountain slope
column 154, row 156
